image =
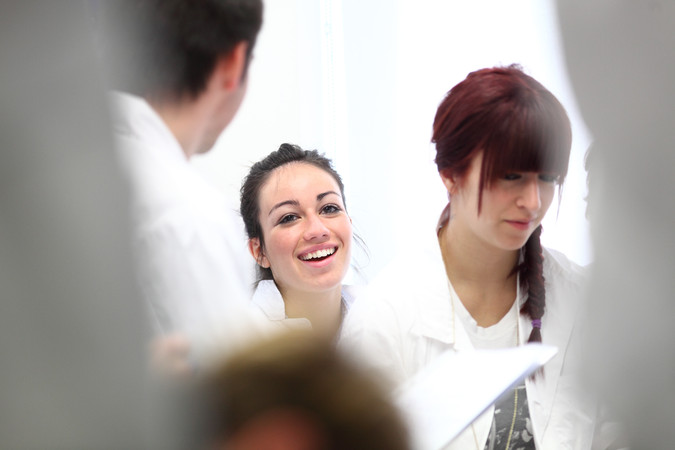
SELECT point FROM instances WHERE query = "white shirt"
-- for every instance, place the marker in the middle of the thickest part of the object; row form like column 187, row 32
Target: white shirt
column 404, row 320
column 194, row 268
column 503, row 334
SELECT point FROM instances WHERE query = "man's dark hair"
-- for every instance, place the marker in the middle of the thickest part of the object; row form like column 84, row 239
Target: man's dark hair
column 169, row 48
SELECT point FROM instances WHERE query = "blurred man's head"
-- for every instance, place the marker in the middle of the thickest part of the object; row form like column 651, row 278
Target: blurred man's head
column 187, row 59
column 169, row 48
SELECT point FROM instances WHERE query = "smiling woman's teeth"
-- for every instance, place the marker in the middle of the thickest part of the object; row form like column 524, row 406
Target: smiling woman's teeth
column 318, row 254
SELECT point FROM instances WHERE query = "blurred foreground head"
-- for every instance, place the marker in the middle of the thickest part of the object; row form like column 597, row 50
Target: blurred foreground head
column 169, row 48
column 296, row 392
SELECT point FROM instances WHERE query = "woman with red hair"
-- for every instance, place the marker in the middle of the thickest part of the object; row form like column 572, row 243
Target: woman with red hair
column 502, row 149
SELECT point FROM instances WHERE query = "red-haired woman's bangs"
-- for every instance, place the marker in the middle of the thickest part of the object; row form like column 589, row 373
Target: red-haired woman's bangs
column 530, row 136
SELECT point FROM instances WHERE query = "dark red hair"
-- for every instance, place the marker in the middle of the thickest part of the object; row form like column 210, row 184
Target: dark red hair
column 509, row 116
column 520, row 127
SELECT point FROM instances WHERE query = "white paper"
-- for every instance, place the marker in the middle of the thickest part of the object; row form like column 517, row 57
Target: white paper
column 446, row 396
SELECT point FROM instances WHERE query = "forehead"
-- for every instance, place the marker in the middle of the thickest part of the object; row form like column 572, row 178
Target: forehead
column 296, row 181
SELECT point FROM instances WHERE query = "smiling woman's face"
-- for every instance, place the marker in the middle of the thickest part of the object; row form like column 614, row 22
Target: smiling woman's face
column 306, row 229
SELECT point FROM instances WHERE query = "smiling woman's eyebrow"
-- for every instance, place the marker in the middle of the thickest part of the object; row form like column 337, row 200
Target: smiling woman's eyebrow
column 287, row 202
column 322, row 195
column 296, row 203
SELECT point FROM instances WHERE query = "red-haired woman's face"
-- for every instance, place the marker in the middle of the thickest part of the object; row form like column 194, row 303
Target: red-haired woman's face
column 512, row 206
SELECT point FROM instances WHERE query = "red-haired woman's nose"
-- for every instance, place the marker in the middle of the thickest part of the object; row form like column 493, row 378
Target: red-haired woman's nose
column 530, row 196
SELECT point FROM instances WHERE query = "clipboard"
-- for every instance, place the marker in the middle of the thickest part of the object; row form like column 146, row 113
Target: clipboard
column 444, row 398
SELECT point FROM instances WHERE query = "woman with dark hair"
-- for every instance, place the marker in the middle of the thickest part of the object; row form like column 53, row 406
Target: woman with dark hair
column 293, row 207
column 502, row 149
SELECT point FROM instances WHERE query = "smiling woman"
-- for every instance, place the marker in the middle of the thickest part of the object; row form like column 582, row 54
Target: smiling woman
column 293, row 207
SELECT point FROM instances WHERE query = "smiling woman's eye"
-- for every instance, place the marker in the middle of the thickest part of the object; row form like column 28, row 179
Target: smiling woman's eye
column 330, row 209
column 549, row 178
column 288, row 218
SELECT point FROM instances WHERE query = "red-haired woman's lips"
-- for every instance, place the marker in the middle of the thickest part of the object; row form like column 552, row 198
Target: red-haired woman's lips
column 520, row 224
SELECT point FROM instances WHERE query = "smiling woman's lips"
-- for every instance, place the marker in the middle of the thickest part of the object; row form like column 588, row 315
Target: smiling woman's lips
column 318, row 255
column 320, row 263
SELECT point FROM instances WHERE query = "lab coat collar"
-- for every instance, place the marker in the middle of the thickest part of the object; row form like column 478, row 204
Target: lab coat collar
column 349, row 294
column 434, row 320
column 558, row 324
column 133, row 117
column 268, row 298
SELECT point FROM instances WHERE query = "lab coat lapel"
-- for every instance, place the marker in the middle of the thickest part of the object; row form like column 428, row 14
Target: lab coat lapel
column 435, row 322
column 435, row 314
column 542, row 391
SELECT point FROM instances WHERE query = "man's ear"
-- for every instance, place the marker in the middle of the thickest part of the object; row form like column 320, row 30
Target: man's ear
column 449, row 180
column 231, row 67
column 257, row 252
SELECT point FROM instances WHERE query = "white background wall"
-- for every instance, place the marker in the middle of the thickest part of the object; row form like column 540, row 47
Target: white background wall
column 361, row 79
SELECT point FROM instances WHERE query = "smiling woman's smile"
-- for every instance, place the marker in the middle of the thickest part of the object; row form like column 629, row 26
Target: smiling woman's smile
column 319, row 254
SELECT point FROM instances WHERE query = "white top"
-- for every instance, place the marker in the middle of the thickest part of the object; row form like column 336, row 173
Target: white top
column 500, row 335
column 194, row 266
column 404, row 320
column 269, row 302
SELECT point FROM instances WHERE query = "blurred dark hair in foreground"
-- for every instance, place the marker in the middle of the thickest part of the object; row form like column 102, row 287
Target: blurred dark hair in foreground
column 297, row 392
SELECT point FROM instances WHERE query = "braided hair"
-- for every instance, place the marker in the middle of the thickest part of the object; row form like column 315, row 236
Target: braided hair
column 531, row 277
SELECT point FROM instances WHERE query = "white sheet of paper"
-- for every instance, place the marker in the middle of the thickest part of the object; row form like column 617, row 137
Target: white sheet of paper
column 446, row 396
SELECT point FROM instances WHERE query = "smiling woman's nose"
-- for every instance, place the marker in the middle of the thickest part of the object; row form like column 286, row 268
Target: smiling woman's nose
column 315, row 229
column 530, row 195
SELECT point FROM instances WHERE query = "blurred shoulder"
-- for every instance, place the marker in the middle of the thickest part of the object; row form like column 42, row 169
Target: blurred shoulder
column 413, row 282
column 558, row 265
column 566, row 283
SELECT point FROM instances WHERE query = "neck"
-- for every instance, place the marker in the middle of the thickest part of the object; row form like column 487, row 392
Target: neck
column 323, row 310
column 186, row 120
column 481, row 275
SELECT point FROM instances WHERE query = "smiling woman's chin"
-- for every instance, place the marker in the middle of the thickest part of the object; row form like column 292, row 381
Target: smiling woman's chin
column 328, row 281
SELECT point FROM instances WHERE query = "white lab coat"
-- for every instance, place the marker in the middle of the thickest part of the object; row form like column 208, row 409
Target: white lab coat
column 194, row 267
column 403, row 321
column 267, row 300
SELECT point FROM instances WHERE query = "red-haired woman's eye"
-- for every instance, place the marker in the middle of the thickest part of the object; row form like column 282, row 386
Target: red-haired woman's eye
column 549, row 178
